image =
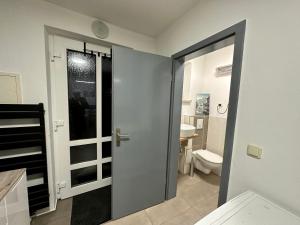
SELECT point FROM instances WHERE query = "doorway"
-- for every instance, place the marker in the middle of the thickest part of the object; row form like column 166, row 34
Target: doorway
column 204, row 108
column 81, row 102
column 82, row 144
column 232, row 35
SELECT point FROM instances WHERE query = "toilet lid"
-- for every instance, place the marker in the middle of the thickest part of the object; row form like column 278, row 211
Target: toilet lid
column 209, row 156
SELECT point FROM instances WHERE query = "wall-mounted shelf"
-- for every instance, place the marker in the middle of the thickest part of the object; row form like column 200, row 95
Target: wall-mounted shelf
column 23, row 146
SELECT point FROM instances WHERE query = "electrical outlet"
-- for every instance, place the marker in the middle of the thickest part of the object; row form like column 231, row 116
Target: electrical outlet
column 254, row 151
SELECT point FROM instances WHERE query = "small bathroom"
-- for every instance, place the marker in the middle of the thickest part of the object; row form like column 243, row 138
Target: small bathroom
column 205, row 102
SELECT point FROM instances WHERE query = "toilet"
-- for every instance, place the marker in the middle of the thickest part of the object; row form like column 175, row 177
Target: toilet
column 207, row 161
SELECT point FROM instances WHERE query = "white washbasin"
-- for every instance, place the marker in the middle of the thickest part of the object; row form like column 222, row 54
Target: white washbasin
column 187, row 130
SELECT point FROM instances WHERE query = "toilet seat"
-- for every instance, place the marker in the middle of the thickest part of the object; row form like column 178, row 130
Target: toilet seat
column 208, row 156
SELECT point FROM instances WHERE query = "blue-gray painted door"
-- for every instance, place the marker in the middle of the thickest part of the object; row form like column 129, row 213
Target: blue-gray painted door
column 141, row 105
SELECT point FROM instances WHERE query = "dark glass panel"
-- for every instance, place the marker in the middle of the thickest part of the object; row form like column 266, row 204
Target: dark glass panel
column 83, row 175
column 82, row 94
column 106, row 149
column 106, row 96
column 106, row 170
column 83, row 153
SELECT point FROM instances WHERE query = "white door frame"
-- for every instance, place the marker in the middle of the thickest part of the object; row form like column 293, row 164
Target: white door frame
column 62, row 160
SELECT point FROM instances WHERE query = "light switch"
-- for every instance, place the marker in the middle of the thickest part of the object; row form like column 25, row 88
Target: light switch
column 254, row 151
column 199, row 123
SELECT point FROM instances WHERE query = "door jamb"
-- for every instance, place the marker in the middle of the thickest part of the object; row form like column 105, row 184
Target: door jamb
column 238, row 31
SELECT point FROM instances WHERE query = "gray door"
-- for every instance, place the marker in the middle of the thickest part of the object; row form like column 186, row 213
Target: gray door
column 141, row 101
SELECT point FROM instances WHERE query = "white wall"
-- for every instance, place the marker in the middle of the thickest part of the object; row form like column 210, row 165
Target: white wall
column 22, row 46
column 269, row 106
column 22, row 40
column 217, row 86
column 194, row 70
column 204, row 80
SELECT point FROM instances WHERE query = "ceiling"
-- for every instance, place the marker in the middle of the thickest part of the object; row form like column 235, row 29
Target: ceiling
column 149, row 17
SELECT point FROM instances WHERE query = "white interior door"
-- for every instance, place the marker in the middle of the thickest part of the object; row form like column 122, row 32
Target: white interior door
column 76, row 112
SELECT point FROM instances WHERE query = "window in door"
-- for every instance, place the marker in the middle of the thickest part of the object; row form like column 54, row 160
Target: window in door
column 82, row 95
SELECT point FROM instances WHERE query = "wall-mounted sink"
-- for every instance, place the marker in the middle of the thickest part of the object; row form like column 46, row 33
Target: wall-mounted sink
column 187, row 130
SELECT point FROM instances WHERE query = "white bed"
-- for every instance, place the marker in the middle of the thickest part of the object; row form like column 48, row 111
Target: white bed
column 250, row 208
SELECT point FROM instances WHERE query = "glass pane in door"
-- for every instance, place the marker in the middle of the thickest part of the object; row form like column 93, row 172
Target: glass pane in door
column 81, row 69
column 106, row 149
column 106, row 96
column 106, row 170
column 83, row 153
column 83, row 175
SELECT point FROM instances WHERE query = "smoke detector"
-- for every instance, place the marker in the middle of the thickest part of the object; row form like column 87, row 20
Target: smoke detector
column 100, row 29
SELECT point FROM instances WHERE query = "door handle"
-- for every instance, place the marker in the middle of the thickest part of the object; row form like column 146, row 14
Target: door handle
column 121, row 137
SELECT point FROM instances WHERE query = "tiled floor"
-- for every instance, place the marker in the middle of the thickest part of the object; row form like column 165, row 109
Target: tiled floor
column 196, row 197
column 62, row 215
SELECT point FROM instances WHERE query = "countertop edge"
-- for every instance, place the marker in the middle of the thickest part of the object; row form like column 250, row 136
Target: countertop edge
column 8, row 179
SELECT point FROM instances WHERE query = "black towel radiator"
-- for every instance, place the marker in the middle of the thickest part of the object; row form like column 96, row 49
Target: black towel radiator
column 21, row 137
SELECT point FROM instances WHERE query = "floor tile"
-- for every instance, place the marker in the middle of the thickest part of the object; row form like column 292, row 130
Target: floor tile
column 61, row 221
column 167, row 210
column 201, row 191
column 185, row 181
column 58, row 221
column 63, row 212
column 190, row 217
column 196, row 197
column 139, row 218
column 211, row 179
column 207, row 205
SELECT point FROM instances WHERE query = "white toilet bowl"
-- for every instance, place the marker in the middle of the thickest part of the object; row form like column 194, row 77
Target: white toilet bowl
column 207, row 161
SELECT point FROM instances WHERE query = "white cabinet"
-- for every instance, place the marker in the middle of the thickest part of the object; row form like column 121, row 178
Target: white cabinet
column 250, row 208
column 14, row 207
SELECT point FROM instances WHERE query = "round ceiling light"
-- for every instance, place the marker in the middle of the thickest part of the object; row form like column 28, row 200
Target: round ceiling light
column 100, row 29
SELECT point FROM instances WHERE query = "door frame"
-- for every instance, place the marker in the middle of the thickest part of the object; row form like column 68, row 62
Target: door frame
column 238, row 31
column 66, row 43
column 52, row 168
